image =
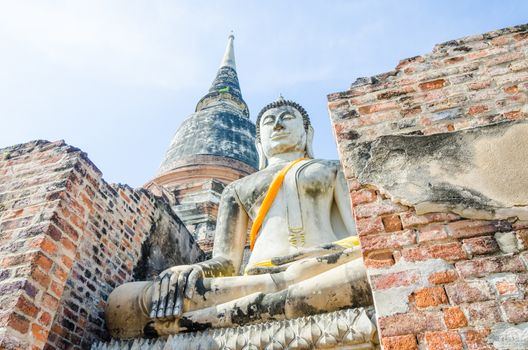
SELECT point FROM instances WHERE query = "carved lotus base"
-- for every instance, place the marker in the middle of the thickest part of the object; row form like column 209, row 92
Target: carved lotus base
column 345, row 329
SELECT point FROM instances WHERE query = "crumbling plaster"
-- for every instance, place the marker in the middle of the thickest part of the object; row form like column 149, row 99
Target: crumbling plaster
column 479, row 173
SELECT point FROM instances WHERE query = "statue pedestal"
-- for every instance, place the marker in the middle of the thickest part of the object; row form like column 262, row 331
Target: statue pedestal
column 345, row 329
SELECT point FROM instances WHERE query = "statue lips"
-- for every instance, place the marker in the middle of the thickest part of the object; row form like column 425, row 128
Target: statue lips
column 279, row 135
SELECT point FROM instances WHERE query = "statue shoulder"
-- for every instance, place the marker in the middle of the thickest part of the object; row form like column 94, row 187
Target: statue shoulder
column 329, row 164
column 333, row 163
column 257, row 181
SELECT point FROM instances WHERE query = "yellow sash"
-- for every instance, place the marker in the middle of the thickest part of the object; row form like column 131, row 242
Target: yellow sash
column 268, row 201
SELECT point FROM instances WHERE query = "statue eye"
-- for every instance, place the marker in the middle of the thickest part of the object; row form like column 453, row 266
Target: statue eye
column 268, row 120
column 288, row 116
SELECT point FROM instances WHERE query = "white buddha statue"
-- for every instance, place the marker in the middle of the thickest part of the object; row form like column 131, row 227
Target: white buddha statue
column 304, row 260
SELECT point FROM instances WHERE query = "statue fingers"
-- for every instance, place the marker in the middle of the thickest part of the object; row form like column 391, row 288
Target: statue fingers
column 196, row 273
column 164, row 296
column 178, row 303
column 155, row 298
column 173, row 285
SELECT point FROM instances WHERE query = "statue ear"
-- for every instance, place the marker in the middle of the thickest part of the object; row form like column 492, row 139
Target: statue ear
column 262, row 157
column 309, row 142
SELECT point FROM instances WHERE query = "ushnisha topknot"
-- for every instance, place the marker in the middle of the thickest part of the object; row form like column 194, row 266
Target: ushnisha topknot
column 282, row 102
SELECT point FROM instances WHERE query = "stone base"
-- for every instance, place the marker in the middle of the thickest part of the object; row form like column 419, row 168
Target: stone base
column 345, row 329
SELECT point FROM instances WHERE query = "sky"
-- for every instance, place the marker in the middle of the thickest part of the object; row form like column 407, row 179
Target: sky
column 117, row 78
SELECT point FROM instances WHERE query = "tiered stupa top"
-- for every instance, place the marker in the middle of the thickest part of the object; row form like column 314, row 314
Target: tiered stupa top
column 220, row 125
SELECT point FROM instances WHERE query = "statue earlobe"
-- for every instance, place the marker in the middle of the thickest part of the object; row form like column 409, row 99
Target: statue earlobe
column 309, row 142
column 262, row 158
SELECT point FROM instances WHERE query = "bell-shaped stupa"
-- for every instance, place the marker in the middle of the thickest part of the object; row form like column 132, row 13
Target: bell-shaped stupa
column 214, row 146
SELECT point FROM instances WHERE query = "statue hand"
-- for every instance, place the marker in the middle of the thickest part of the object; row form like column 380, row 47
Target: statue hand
column 171, row 287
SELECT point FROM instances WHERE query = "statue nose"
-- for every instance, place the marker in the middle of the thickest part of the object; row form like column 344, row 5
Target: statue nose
column 278, row 124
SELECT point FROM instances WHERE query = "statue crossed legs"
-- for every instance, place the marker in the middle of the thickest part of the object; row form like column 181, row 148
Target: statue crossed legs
column 305, row 256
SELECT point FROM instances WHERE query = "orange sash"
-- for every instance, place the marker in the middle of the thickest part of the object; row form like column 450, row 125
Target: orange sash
column 268, row 201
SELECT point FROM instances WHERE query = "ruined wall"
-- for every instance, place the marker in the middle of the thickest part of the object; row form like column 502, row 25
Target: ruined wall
column 194, row 188
column 436, row 156
column 67, row 238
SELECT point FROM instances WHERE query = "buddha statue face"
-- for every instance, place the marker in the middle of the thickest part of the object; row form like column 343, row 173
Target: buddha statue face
column 282, row 131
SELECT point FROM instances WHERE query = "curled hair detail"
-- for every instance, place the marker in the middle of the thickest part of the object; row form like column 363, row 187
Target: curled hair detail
column 279, row 103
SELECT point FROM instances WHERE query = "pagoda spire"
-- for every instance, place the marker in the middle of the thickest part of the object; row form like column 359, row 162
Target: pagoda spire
column 229, row 55
column 225, row 86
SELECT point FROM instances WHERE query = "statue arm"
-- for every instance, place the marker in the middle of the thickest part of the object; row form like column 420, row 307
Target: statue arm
column 178, row 282
column 342, row 199
column 231, row 233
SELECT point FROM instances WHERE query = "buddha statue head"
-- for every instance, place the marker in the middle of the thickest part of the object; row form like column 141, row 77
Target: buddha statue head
column 283, row 126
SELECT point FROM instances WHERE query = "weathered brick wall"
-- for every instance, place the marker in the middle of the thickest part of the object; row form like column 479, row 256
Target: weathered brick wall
column 67, row 239
column 439, row 281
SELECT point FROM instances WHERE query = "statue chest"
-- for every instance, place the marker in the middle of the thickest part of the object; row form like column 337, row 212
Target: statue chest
column 312, row 186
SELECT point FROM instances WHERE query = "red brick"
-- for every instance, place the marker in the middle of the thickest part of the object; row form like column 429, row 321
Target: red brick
column 476, row 339
column 48, row 246
column 18, row 323
column 410, row 111
column 378, row 208
column 384, row 241
column 522, row 237
column 431, row 296
column 45, row 319
column 395, row 93
column 521, row 36
column 369, row 226
column 67, row 244
column 454, row 60
column 392, row 223
column 59, row 330
column 481, row 245
column 471, row 228
column 43, row 261
column 443, row 277
column 512, row 89
column 50, row 302
column 54, row 232
column 411, row 323
column 66, row 228
column 432, row 232
column 123, row 195
column 395, row 279
column 15, row 260
column 401, row 342
column 504, row 58
column 447, row 251
column 363, row 196
column 26, row 306
column 448, row 340
column 454, row 317
column 516, row 310
column 87, row 202
column 484, row 266
column 67, row 261
column 40, row 277
column 60, row 273
column 379, row 259
column 379, row 107
column 479, row 85
column 410, row 60
column 432, row 85
column 505, row 287
column 39, row 333
column 477, row 109
column 411, row 219
column 468, row 292
column 482, row 314
column 57, row 289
